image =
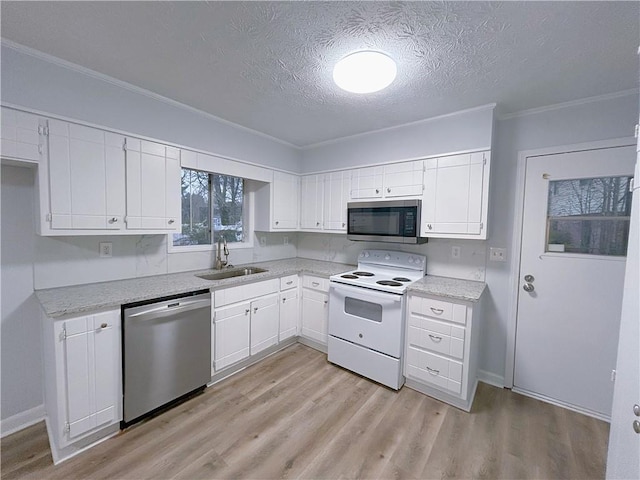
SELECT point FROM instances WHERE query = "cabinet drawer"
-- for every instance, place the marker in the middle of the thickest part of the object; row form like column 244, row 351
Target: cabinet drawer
column 434, row 369
column 290, row 281
column 437, row 336
column 315, row 283
column 442, row 310
column 226, row 296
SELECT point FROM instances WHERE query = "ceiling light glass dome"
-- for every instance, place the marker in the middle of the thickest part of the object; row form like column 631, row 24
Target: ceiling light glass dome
column 364, row 72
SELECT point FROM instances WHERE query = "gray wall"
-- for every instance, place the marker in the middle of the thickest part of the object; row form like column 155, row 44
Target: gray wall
column 32, row 82
column 468, row 130
column 21, row 353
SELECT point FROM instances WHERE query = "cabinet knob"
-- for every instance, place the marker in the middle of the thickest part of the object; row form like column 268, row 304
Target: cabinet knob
column 326, row 301
column 247, row 311
column 377, row 191
column 317, row 224
column 388, row 190
column 171, row 221
column 344, row 225
column 429, row 226
column 277, row 222
column 284, row 300
column 255, row 309
column 103, row 325
column 113, row 220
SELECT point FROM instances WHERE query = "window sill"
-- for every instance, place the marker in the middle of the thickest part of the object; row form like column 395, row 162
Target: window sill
column 206, row 248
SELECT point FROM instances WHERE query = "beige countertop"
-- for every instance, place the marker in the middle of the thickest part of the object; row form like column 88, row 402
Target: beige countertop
column 78, row 299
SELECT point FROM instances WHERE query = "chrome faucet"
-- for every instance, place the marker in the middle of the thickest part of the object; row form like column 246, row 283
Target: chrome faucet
column 222, row 247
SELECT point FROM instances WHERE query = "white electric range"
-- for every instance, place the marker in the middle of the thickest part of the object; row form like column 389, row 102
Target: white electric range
column 366, row 314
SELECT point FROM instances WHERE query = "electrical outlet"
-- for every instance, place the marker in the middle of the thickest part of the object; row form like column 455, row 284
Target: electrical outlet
column 106, row 249
column 455, row 252
column 263, row 241
column 497, row 254
column 286, row 240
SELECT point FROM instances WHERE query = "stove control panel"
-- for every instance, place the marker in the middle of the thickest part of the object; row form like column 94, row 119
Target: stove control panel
column 393, row 259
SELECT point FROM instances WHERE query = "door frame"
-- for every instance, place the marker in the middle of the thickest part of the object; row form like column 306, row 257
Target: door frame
column 516, row 240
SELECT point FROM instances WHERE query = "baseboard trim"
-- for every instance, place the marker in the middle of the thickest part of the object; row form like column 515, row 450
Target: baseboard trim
column 491, row 378
column 22, row 420
column 568, row 406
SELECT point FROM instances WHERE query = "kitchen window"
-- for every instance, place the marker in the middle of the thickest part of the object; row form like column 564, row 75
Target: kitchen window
column 213, row 208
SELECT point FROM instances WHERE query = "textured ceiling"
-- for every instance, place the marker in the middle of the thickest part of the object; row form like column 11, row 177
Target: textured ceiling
column 268, row 65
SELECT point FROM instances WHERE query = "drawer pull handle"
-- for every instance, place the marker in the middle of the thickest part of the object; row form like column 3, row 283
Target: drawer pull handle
column 433, row 371
column 435, row 338
column 315, row 284
column 437, row 311
column 289, row 282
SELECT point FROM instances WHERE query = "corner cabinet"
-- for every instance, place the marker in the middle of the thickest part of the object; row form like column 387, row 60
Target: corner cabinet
column 456, row 196
column 441, row 352
column 277, row 204
column 83, row 380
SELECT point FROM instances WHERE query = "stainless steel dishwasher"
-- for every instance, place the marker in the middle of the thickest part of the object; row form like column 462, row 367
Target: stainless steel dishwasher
column 166, row 352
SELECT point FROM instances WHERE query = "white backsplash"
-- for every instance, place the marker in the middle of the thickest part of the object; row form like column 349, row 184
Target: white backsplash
column 336, row 248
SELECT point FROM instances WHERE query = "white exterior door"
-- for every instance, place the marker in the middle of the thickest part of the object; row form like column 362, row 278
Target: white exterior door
column 575, row 224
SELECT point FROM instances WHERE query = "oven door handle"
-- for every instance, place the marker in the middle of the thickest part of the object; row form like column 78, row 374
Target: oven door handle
column 364, row 293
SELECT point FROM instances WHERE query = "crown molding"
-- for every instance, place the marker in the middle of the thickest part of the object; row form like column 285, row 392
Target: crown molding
column 572, row 103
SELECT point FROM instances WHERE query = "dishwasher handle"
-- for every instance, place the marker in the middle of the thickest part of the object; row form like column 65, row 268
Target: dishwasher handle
column 169, row 308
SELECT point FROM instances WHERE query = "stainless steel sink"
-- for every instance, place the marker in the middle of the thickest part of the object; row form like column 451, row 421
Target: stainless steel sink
column 236, row 272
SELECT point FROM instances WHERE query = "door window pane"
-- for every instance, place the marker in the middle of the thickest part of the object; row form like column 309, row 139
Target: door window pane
column 589, row 216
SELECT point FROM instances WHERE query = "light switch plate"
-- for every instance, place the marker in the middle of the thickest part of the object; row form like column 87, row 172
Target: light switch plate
column 106, row 249
column 497, row 254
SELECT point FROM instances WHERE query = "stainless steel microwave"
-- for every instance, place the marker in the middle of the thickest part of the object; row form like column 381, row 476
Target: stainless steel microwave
column 396, row 221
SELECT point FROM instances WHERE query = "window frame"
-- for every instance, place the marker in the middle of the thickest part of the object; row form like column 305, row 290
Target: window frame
column 247, row 219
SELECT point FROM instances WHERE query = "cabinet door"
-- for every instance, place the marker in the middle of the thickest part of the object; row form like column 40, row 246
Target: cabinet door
column 285, row 195
column 84, row 164
column 403, row 179
column 366, row 183
column 91, row 360
column 456, row 196
column 20, row 135
column 231, row 325
column 289, row 314
column 315, row 315
column 264, row 323
column 153, row 186
column 311, row 202
column 336, row 197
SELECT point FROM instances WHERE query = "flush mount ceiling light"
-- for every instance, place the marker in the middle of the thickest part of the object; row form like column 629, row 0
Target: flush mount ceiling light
column 364, row 72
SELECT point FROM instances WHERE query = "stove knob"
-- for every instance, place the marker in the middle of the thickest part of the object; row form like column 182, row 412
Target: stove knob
column 366, row 254
column 410, row 259
column 387, row 257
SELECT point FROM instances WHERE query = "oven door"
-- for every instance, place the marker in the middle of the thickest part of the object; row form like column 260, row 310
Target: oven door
column 367, row 317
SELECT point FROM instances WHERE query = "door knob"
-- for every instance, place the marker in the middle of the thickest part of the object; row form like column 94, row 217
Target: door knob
column 529, row 278
column 528, row 287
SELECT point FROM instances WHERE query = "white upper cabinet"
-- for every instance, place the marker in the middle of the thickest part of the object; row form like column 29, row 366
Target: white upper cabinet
column 21, row 135
column 311, row 202
column 366, row 183
column 456, row 196
column 153, row 186
column 336, row 197
column 86, row 178
column 277, row 203
column 393, row 180
column 403, row 179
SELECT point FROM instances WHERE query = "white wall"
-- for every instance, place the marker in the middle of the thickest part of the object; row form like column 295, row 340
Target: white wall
column 31, row 82
column 21, row 353
column 594, row 120
column 467, row 130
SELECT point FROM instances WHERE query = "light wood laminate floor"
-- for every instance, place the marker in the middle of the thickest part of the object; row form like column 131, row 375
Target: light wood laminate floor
column 294, row 415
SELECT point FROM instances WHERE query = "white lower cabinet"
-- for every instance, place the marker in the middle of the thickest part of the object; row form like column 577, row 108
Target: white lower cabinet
column 265, row 323
column 289, row 307
column 315, row 308
column 231, row 329
column 441, row 349
column 83, row 377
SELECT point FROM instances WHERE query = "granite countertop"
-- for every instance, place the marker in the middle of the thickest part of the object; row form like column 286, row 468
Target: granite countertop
column 454, row 288
column 77, row 299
